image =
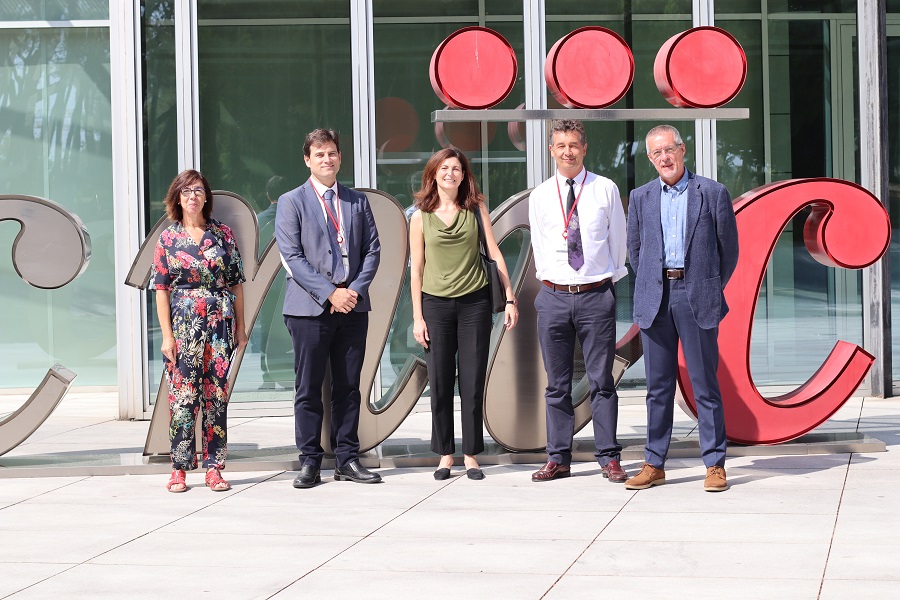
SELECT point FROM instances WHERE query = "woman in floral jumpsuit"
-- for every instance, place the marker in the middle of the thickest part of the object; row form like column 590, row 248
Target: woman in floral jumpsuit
column 197, row 274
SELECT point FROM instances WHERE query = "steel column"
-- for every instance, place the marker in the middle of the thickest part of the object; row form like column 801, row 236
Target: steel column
column 873, row 143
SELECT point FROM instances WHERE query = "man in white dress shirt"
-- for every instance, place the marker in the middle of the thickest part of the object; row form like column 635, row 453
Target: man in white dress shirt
column 579, row 240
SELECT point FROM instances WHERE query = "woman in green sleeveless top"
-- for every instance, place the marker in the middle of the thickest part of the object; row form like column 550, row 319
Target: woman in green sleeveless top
column 451, row 309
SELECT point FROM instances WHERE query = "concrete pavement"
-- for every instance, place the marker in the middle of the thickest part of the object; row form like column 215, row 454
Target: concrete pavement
column 791, row 526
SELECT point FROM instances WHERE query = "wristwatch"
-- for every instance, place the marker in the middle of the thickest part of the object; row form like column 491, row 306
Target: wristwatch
column 514, row 302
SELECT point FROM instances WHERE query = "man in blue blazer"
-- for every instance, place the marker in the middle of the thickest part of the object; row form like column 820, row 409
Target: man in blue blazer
column 329, row 246
column 683, row 246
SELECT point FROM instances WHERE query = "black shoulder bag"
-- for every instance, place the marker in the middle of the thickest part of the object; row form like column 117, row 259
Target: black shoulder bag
column 495, row 285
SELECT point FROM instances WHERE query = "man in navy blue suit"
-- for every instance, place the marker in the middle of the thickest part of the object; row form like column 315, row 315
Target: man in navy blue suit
column 329, row 247
column 683, row 246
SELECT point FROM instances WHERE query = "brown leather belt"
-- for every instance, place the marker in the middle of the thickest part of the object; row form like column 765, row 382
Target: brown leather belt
column 574, row 289
column 673, row 273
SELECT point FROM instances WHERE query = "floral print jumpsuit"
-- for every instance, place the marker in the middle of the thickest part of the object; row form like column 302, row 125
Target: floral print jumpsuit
column 198, row 279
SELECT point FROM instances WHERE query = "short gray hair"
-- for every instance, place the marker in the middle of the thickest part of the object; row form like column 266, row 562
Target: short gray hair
column 567, row 125
column 660, row 130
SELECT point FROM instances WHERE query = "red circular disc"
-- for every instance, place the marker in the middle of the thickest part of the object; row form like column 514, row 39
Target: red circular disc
column 396, row 124
column 703, row 67
column 591, row 67
column 465, row 135
column 474, row 68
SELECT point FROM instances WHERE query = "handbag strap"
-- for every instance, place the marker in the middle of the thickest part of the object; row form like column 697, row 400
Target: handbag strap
column 481, row 238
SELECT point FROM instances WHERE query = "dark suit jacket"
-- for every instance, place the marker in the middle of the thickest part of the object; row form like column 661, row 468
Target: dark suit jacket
column 304, row 241
column 711, row 250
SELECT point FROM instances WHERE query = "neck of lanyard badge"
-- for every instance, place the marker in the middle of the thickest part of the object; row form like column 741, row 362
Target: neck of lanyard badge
column 335, row 220
column 567, row 218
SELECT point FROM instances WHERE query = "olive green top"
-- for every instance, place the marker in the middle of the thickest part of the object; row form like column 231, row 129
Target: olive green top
column 453, row 265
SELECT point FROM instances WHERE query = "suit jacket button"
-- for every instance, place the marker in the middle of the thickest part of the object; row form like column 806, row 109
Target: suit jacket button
column 329, row 273
column 329, row 252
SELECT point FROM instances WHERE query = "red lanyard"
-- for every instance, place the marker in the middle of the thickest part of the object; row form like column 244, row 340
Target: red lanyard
column 567, row 218
column 334, row 221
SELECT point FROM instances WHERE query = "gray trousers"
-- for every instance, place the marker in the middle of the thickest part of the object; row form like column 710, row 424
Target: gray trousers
column 591, row 316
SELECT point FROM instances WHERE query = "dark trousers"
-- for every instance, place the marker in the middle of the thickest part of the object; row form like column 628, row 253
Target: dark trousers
column 460, row 332
column 675, row 322
column 591, row 316
column 341, row 340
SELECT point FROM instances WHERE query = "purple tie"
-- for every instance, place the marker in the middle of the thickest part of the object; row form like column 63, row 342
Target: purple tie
column 573, row 239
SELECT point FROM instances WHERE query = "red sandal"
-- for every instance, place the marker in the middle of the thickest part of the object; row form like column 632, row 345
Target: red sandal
column 215, row 482
column 177, row 483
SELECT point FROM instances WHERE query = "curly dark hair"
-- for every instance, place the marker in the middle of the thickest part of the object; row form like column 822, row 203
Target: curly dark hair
column 186, row 179
column 469, row 196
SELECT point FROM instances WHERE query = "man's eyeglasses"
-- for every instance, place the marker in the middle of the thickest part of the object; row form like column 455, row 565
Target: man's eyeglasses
column 656, row 154
column 199, row 191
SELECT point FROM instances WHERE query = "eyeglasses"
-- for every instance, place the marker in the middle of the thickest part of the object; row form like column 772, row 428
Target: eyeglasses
column 199, row 191
column 656, row 154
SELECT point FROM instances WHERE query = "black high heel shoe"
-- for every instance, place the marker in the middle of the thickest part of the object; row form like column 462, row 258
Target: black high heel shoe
column 442, row 474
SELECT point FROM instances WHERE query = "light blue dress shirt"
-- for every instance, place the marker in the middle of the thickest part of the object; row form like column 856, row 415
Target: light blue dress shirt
column 672, row 212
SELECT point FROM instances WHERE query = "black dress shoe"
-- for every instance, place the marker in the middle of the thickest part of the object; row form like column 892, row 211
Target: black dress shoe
column 442, row 474
column 353, row 471
column 308, row 477
column 476, row 474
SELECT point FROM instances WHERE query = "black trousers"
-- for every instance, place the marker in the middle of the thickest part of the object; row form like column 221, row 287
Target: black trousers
column 341, row 340
column 460, row 332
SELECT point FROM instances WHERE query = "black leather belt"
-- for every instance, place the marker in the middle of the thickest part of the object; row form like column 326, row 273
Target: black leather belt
column 574, row 289
column 673, row 273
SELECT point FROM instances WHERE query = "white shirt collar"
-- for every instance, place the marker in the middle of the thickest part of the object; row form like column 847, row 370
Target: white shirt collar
column 322, row 189
column 578, row 178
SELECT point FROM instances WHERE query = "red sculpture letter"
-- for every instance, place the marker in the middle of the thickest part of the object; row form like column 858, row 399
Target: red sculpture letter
column 848, row 228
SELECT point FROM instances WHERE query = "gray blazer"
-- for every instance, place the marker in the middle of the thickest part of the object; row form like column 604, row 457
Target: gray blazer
column 711, row 249
column 303, row 238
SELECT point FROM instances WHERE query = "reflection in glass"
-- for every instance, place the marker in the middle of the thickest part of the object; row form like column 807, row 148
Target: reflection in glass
column 893, row 112
column 55, row 143
column 160, row 150
column 741, row 160
column 263, row 86
column 804, row 306
column 406, row 138
column 54, row 10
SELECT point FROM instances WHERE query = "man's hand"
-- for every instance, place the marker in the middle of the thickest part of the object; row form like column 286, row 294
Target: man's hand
column 343, row 300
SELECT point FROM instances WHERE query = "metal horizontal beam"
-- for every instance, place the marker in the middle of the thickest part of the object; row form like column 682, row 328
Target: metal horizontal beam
column 583, row 114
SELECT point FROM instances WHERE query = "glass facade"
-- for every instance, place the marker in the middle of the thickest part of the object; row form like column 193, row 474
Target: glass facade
column 893, row 169
column 405, row 137
column 55, row 143
column 796, row 89
column 54, row 10
column 262, row 73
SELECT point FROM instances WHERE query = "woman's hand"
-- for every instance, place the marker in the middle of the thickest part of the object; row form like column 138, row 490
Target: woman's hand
column 511, row 317
column 420, row 332
column 168, row 348
column 240, row 338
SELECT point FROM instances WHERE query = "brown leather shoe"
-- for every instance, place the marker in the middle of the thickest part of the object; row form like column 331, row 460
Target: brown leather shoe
column 648, row 477
column 614, row 472
column 715, row 480
column 551, row 471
